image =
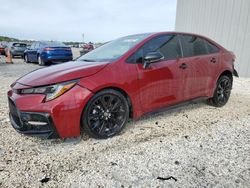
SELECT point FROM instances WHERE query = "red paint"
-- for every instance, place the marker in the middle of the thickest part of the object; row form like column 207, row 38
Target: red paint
column 162, row 84
column 2, row 50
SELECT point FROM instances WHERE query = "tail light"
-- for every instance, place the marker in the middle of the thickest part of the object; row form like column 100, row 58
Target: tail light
column 48, row 49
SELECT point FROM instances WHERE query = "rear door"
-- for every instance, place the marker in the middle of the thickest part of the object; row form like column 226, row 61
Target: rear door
column 214, row 61
column 160, row 83
column 197, row 66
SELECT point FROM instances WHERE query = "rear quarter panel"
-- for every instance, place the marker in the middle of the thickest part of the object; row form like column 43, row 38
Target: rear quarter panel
column 226, row 63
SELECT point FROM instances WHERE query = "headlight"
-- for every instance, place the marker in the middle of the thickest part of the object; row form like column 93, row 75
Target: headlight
column 52, row 91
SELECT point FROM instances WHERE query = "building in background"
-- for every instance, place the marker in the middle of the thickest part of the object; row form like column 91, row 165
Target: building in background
column 225, row 21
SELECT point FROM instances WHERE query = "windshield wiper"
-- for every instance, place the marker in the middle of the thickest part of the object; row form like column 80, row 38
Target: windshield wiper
column 88, row 60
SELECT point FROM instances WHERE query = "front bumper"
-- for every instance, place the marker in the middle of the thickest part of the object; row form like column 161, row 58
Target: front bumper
column 30, row 115
column 32, row 123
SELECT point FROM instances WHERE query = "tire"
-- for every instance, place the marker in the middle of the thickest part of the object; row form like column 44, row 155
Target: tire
column 26, row 58
column 222, row 91
column 40, row 61
column 105, row 114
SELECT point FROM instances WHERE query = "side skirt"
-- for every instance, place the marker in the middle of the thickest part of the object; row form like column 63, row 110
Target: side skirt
column 176, row 106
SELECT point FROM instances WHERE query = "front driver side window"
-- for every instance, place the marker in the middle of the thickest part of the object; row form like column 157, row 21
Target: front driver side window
column 167, row 45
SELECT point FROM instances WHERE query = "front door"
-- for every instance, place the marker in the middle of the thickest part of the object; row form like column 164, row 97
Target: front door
column 161, row 82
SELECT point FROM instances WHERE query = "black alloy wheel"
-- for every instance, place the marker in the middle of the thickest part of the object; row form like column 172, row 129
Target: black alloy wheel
column 105, row 114
column 222, row 91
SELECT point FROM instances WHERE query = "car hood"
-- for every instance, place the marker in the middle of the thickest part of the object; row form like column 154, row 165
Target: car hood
column 61, row 72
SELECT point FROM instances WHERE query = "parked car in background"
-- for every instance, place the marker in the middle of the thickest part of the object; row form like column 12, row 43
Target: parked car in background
column 47, row 52
column 2, row 49
column 16, row 48
column 87, row 48
column 122, row 79
column 3, row 45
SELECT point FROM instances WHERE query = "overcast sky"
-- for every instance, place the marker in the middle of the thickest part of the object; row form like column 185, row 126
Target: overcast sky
column 99, row 20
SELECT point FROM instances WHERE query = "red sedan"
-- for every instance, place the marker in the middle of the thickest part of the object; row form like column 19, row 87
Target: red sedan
column 122, row 79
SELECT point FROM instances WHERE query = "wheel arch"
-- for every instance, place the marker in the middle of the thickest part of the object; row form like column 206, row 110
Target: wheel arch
column 124, row 93
column 226, row 73
column 214, row 82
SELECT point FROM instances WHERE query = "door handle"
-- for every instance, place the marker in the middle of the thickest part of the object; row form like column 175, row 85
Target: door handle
column 183, row 66
column 213, row 60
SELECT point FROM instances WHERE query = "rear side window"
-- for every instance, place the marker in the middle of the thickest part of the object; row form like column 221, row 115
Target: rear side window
column 193, row 46
column 19, row 45
column 211, row 48
column 168, row 45
column 53, row 44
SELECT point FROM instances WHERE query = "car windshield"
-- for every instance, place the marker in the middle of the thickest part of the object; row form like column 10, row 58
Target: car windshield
column 53, row 44
column 113, row 50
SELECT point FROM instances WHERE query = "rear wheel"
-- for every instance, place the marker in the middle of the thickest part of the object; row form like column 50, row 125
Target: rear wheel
column 40, row 61
column 222, row 91
column 105, row 114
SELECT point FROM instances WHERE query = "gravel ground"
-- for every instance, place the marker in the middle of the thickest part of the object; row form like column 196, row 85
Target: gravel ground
column 193, row 146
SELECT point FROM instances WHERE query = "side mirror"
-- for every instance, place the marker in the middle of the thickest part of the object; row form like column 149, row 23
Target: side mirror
column 152, row 57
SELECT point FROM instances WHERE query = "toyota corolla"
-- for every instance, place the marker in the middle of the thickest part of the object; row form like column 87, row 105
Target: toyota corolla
column 125, row 78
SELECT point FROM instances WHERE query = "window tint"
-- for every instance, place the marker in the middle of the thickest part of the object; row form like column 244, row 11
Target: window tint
column 136, row 57
column 53, row 44
column 19, row 45
column 211, row 48
column 193, row 46
column 167, row 45
column 171, row 49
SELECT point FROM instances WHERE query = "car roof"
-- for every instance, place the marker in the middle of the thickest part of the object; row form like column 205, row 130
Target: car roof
column 187, row 33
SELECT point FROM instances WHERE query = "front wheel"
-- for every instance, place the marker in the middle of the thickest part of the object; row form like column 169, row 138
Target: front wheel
column 222, row 91
column 105, row 114
column 26, row 58
column 40, row 61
